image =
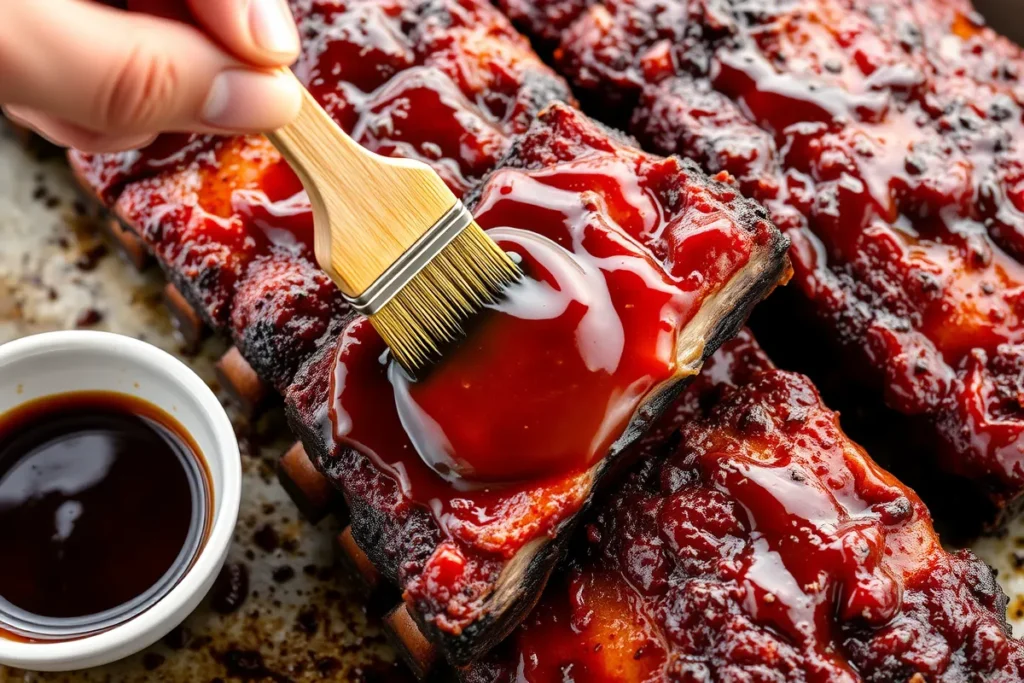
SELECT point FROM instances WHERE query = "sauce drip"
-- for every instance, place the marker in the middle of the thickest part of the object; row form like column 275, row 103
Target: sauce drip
column 101, row 497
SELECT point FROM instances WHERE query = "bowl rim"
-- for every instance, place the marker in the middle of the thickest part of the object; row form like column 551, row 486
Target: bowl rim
column 152, row 624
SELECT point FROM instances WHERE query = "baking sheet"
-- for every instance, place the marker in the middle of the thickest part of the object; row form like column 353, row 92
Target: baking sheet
column 301, row 621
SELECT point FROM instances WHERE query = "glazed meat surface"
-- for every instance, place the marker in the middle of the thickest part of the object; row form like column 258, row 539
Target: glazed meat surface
column 451, row 83
column 444, row 82
column 884, row 139
column 567, row 179
column 756, row 542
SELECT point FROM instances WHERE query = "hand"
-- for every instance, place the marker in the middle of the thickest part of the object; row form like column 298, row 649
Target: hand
column 100, row 79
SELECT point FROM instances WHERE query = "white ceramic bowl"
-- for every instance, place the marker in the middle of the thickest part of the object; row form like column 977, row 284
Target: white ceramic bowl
column 59, row 362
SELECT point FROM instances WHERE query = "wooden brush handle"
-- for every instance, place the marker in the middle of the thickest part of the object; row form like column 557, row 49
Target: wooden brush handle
column 367, row 208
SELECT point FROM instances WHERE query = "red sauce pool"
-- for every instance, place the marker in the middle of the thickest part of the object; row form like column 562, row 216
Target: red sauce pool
column 546, row 381
column 104, row 504
column 500, row 440
column 482, row 416
column 480, row 419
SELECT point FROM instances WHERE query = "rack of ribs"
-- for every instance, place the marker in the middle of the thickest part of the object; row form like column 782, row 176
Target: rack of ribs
column 450, row 83
column 884, row 140
column 756, row 542
column 679, row 259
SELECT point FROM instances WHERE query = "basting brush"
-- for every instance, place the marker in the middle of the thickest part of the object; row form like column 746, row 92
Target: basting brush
column 399, row 245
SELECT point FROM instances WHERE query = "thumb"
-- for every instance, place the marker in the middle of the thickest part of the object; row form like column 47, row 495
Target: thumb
column 116, row 72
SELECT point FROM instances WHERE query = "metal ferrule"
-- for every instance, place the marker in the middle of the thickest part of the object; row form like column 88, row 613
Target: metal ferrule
column 410, row 263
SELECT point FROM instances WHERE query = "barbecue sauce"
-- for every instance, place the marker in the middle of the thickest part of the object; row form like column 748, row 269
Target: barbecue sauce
column 104, row 503
column 478, row 436
column 479, row 415
column 500, row 438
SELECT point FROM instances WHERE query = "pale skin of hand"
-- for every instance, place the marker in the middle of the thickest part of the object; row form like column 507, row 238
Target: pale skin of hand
column 101, row 79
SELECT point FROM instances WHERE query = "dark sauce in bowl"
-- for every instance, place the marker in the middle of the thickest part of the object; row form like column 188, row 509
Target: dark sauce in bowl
column 105, row 502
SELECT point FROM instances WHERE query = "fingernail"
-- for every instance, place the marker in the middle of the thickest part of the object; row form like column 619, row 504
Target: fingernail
column 273, row 27
column 247, row 100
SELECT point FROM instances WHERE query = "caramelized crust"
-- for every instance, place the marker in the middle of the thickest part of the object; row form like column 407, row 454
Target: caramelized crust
column 449, row 82
column 884, row 140
column 756, row 542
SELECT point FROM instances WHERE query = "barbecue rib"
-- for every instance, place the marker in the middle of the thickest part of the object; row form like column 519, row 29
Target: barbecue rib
column 471, row 564
column 756, row 542
column 448, row 83
column 883, row 138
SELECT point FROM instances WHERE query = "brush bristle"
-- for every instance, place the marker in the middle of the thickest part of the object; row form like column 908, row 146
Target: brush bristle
column 429, row 312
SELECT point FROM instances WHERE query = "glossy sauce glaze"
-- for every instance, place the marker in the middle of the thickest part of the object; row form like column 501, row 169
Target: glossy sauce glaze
column 601, row 339
column 386, row 71
column 595, row 317
column 548, row 379
column 103, row 497
column 617, row 212
column 759, row 543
